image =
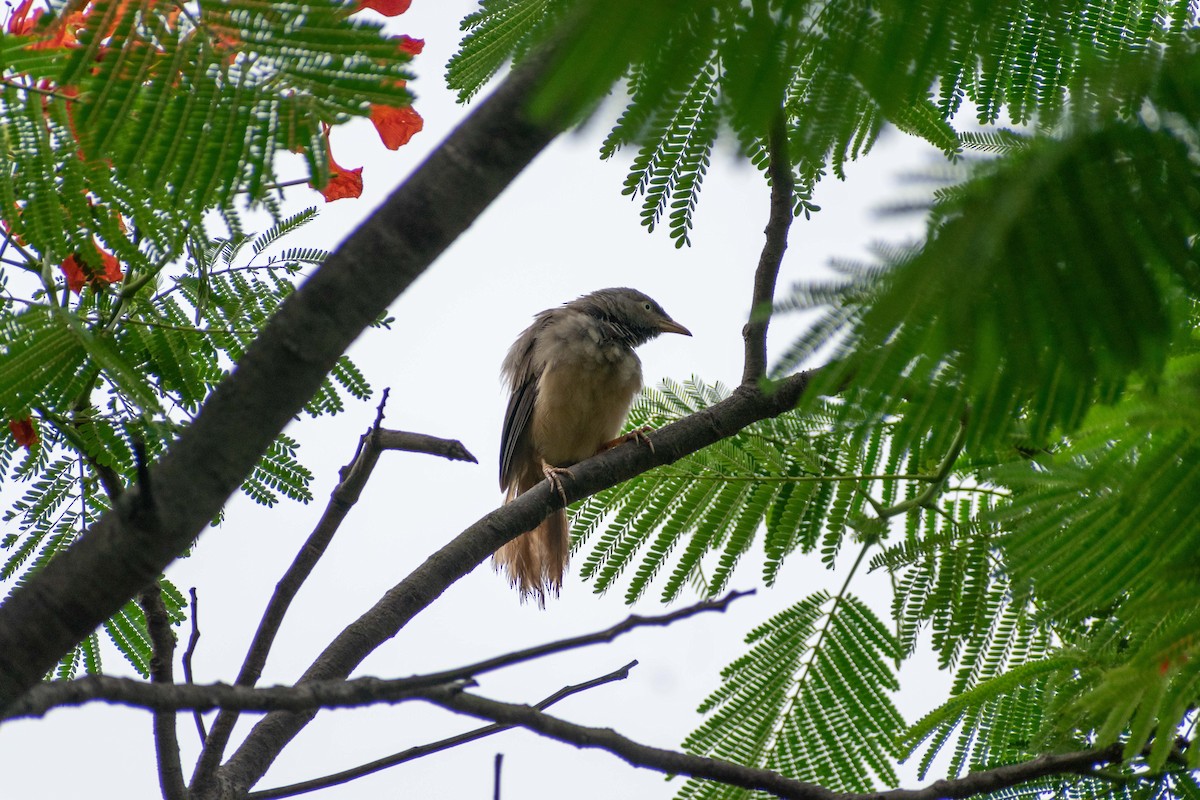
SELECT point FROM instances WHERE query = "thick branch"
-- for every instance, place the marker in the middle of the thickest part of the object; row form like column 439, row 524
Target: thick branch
column 413, row 753
column 779, row 169
column 126, row 551
column 166, row 740
column 675, row 763
column 746, row 405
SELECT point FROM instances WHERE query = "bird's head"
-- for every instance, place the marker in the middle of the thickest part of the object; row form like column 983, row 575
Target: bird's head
column 637, row 317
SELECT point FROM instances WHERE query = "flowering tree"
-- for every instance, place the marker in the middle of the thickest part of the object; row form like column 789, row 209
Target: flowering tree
column 138, row 133
column 1002, row 421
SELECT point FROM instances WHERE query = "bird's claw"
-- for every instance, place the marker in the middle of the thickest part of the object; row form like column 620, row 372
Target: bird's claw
column 554, row 476
column 640, row 435
column 636, row 435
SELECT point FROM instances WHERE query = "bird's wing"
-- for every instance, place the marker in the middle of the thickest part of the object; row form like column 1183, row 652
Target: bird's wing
column 521, row 371
column 515, row 445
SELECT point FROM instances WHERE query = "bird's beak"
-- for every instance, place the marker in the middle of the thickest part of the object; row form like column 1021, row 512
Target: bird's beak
column 668, row 325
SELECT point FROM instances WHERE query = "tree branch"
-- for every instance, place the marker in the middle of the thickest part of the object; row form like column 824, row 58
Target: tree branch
column 193, row 640
column 316, row 694
column 123, row 552
column 746, row 405
column 670, row 762
column 413, row 753
column 675, row 763
column 354, row 477
column 423, row 443
column 599, row 637
column 205, row 697
column 1081, row 762
column 166, row 740
column 779, row 222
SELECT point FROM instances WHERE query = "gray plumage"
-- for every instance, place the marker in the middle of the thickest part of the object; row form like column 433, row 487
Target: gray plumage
column 572, row 375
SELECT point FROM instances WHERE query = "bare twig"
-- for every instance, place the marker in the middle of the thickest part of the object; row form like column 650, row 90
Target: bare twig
column 414, row 753
column 166, row 742
column 496, row 776
column 33, row 89
column 354, row 477
column 423, row 443
column 675, row 763
column 779, row 169
column 193, row 640
column 599, row 637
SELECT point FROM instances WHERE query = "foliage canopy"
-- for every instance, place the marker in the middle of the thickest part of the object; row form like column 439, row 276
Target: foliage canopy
column 1004, row 423
column 128, row 129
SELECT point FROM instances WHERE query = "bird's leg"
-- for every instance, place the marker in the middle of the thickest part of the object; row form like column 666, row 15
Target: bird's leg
column 636, row 435
column 554, row 475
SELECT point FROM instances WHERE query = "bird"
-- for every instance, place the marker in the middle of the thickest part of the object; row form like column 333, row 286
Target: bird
column 572, row 376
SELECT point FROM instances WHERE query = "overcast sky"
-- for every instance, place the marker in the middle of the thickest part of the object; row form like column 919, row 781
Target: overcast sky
column 561, row 230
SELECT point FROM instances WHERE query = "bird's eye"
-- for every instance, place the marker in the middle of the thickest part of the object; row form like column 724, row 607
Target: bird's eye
column 646, row 306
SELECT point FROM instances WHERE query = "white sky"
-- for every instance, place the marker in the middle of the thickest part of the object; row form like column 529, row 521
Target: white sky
column 561, row 230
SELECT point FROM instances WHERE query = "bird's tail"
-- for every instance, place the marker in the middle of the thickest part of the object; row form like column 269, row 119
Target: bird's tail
column 535, row 562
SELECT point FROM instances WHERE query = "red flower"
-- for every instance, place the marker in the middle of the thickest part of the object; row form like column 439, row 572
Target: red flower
column 343, row 182
column 410, row 45
column 79, row 272
column 23, row 432
column 21, row 22
column 396, row 125
column 8, row 232
column 389, row 8
column 63, row 32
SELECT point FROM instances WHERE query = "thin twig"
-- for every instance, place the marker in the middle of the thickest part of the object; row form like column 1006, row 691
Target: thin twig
column 496, row 776
column 193, row 640
column 675, row 763
column 779, row 222
column 599, row 637
column 413, row 753
column 354, row 477
column 37, row 90
column 166, row 741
